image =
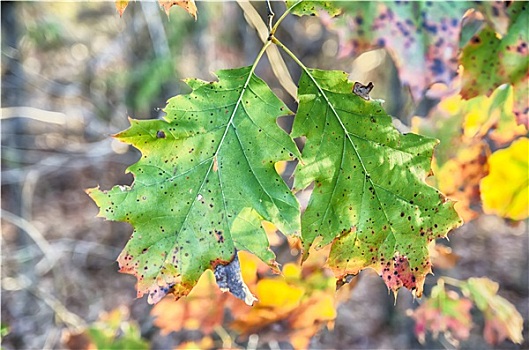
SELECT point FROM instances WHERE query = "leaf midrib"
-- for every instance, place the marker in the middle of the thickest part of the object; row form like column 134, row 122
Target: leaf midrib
column 211, row 160
column 219, row 146
column 346, row 133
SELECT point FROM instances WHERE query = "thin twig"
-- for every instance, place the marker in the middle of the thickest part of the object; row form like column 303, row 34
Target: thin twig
column 40, row 115
column 253, row 341
column 37, row 237
column 87, row 155
column 224, row 336
column 70, row 319
column 279, row 67
column 28, row 190
column 270, row 14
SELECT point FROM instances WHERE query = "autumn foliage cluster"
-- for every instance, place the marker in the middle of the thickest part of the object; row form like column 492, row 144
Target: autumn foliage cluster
column 208, row 199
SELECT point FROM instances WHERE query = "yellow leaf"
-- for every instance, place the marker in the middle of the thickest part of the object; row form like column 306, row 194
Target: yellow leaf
column 279, row 294
column 451, row 104
column 320, row 307
column 188, row 5
column 204, row 343
column 292, row 271
column 476, row 121
column 505, row 191
column 299, row 302
column 507, row 128
column 308, row 318
column 249, row 266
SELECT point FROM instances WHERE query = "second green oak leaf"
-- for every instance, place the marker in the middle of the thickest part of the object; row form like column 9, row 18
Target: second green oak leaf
column 369, row 198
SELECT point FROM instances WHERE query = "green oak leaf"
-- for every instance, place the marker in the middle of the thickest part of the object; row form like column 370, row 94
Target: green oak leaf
column 490, row 59
column 204, row 183
column 311, row 8
column 369, row 198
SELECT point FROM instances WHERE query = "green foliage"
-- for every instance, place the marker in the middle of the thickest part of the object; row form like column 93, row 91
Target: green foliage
column 311, row 8
column 128, row 341
column 444, row 312
column 115, row 331
column 501, row 318
column 369, row 194
column 504, row 58
column 204, row 183
column 4, row 329
column 47, row 35
column 146, row 81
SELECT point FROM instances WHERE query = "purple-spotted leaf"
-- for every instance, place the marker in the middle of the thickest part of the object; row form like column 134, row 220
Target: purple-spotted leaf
column 369, row 198
column 312, row 8
column 204, row 183
column 490, row 59
column 422, row 37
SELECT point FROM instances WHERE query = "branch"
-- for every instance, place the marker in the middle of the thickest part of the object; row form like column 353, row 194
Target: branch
column 276, row 61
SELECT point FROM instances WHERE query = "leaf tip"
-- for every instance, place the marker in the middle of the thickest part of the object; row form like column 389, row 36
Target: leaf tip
column 121, row 5
column 398, row 273
column 188, row 5
column 157, row 293
column 89, row 191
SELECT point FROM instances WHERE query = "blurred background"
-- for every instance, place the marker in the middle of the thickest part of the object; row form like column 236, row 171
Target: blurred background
column 72, row 73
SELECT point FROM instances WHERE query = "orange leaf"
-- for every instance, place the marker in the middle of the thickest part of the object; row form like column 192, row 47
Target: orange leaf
column 442, row 256
column 292, row 307
column 188, row 5
column 121, row 5
column 307, row 319
column 202, row 309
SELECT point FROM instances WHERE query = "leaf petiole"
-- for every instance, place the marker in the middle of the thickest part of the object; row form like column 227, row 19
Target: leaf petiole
column 290, row 53
column 257, row 59
column 274, row 28
column 452, row 281
column 310, row 75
